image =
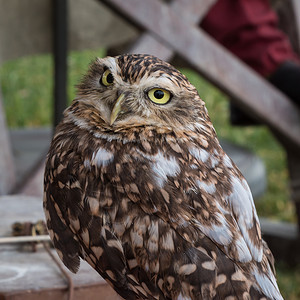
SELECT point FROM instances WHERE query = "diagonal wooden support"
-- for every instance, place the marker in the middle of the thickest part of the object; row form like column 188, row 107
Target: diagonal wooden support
column 7, row 167
column 192, row 11
column 216, row 64
column 296, row 6
column 294, row 170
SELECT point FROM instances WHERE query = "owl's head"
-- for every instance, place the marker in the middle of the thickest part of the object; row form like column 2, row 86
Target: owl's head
column 138, row 90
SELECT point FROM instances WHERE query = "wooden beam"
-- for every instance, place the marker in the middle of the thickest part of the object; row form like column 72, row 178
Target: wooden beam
column 294, row 173
column 148, row 44
column 296, row 7
column 283, row 240
column 7, row 165
column 216, row 64
column 192, row 11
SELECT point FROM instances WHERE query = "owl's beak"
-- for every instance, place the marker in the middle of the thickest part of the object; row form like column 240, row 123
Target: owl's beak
column 116, row 109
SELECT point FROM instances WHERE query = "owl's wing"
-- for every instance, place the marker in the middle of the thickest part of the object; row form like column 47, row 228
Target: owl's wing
column 205, row 190
column 58, row 194
column 224, row 206
column 75, row 226
column 161, row 214
column 203, row 197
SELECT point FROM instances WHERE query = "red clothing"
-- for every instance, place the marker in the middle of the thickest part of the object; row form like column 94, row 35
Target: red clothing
column 248, row 28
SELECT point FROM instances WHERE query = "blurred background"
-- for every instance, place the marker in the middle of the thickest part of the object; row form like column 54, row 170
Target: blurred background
column 27, row 69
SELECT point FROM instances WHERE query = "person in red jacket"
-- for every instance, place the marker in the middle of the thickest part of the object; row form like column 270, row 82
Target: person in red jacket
column 249, row 29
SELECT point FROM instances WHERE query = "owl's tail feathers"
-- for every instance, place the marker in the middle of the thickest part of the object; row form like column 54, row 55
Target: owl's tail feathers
column 266, row 283
column 232, row 281
column 67, row 247
column 264, row 274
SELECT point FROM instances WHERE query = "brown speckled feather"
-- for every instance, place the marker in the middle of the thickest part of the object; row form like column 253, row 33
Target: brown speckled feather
column 150, row 199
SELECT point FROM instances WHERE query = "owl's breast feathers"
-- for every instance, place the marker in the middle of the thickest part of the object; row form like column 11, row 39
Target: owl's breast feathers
column 159, row 215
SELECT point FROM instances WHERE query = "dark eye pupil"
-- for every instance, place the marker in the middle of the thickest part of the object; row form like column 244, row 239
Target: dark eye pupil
column 158, row 94
column 110, row 78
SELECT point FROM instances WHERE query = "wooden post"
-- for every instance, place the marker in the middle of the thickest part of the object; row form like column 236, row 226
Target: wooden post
column 7, row 167
column 296, row 7
column 190, row 10
column 294, row 172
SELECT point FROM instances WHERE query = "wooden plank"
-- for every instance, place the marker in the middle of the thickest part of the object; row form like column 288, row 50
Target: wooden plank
column 215, row 63
column 294, row 173
column 34, row 275
column 7, row 166
column 283, row 240
column 101, row 292
column 296, row 6
column 30, row 147
column 148, row 44
column 191, row 10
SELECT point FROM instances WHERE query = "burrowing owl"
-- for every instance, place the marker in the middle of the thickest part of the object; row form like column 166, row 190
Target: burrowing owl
column 136, row 183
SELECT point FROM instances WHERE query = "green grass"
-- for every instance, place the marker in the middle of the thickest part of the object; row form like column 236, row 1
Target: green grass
column 289, row 281
column 27, row 87
column 27, row 91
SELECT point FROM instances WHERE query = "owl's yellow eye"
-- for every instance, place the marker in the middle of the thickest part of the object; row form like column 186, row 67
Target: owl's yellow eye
column 159, row 96
column 107, row 78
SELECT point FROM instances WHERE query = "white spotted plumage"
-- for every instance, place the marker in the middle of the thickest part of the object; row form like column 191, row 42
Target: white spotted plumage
column 163, row 167
column 145, row 194
column 102, row 157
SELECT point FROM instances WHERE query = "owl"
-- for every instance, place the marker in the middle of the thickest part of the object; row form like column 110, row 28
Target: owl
column 137, row 184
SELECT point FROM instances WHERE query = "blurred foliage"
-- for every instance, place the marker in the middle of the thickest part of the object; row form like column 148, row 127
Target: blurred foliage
column 27, row 86
column 288, row 279
column 27, row 91
column 27, row 94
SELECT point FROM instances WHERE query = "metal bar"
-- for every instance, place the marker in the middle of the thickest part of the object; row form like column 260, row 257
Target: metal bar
column 24, row 239
column 214, row 62
column 60, row 58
